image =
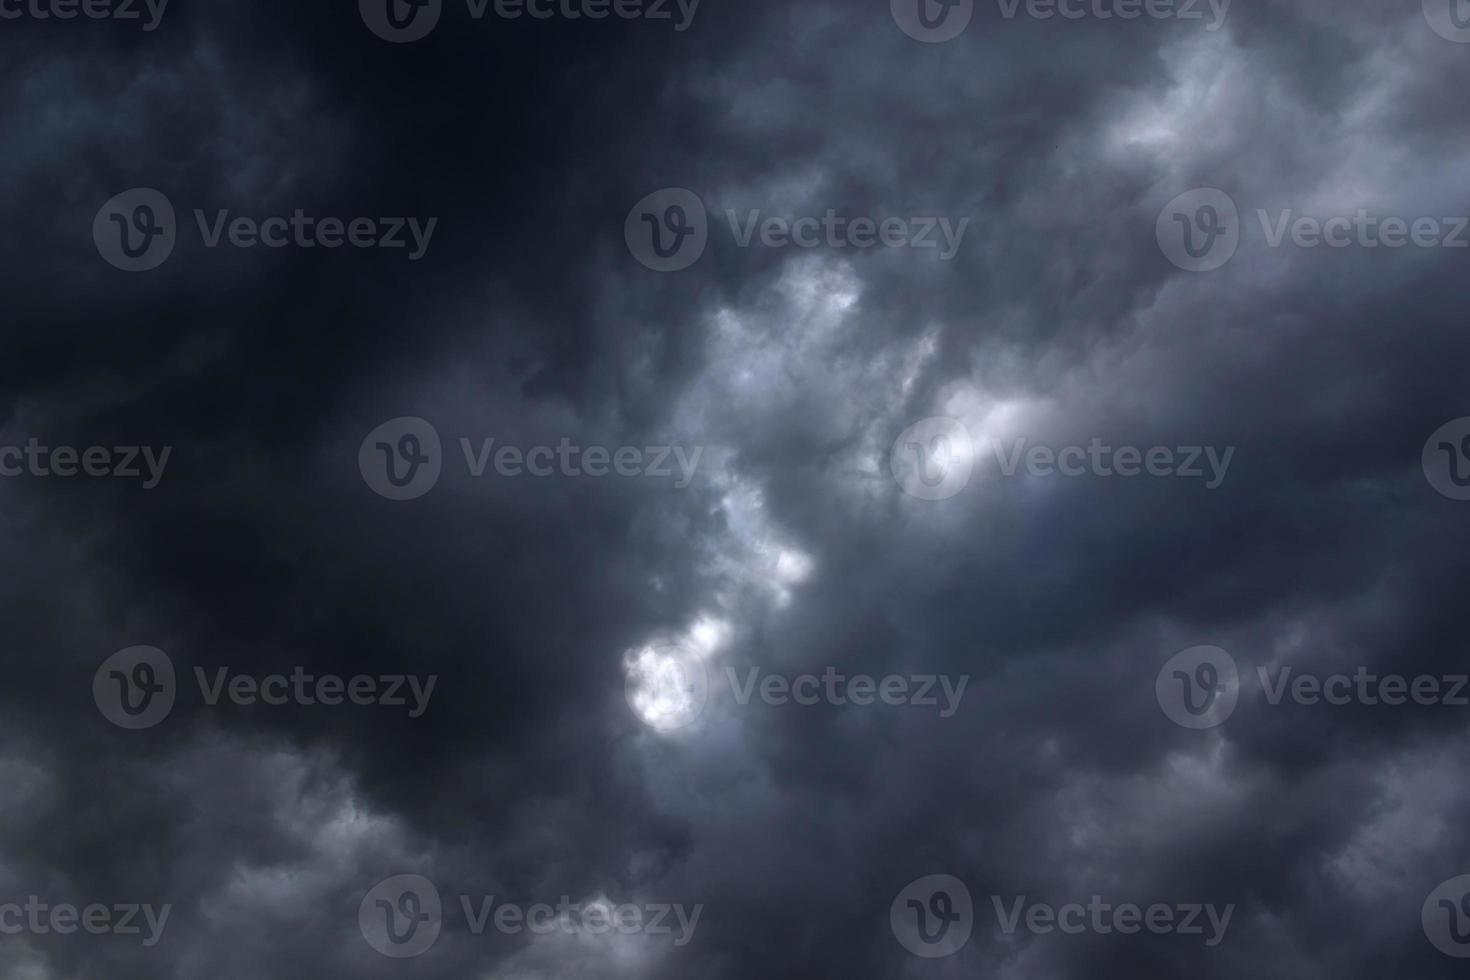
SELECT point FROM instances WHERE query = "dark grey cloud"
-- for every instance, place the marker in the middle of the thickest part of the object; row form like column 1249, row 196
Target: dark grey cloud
column 540, row 604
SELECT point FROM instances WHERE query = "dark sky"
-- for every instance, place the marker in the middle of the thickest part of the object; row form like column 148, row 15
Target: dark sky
column 553, row 757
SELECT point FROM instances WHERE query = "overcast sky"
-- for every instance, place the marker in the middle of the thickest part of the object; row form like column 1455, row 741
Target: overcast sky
column 974, row 364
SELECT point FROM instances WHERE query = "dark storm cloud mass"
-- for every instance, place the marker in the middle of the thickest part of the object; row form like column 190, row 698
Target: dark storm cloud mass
column 1059, row 320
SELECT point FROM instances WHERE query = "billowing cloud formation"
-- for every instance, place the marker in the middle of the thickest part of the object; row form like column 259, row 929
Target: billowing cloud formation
column 714, row 684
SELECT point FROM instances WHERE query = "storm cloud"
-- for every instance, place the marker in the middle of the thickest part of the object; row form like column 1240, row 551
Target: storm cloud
column 759, row 479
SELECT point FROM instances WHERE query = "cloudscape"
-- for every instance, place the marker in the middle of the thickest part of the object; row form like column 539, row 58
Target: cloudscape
column 650, row 489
